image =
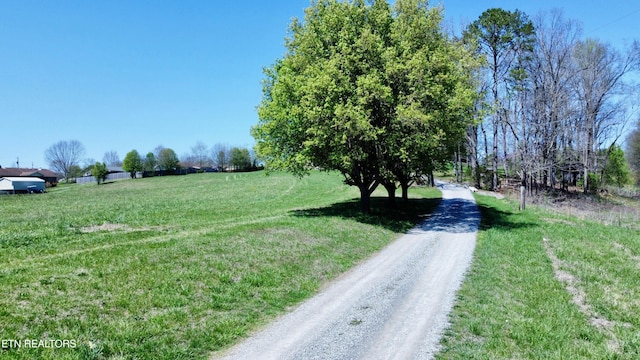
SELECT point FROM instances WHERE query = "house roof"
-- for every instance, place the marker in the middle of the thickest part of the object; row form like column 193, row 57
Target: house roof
column 113, row 169
column 21, row 179
column 22, row 172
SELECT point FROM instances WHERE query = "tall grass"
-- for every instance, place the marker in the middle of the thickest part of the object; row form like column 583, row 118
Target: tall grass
column 176, row 267
column 546, row 286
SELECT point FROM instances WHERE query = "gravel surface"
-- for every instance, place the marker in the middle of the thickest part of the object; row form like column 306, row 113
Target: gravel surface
column 393, row 306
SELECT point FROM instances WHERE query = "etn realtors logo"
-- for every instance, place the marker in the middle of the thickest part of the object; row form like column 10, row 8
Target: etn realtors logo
column 35, row 343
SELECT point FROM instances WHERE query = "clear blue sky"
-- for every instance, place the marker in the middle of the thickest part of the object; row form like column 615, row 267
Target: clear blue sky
column 121, row 75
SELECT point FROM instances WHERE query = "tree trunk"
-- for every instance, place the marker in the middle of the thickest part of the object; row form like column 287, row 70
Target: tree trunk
column 486, row 144
column 494, row 182
column 390, row 186
column 405, row 191
column 365, row 199
column 472, row 145
column 523, row 190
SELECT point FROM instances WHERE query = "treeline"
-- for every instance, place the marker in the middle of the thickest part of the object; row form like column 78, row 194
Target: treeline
column 554, row 104
column 220, row 157
column 67, row 158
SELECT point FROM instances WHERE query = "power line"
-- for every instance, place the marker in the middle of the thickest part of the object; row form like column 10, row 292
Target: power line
column 615, row 21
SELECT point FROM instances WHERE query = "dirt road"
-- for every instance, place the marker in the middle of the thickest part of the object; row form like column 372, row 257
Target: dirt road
column 394, row 306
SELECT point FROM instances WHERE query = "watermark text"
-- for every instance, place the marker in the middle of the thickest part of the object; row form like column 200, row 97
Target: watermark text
column 7, row 344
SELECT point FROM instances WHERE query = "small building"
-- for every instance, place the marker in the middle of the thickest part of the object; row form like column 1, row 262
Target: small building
column 44, row 174
column 21, row 185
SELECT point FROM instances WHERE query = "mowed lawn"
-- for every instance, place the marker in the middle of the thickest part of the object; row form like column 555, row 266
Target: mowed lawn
column 176, row 267
column 545, row 286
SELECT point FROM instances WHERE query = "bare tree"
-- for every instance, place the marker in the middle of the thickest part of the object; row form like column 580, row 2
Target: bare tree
column 501, row 36
column 221, row 155
column 63, row 155
column 552, row 70
column 600, row 72
column 200, row 154
column 111, row 158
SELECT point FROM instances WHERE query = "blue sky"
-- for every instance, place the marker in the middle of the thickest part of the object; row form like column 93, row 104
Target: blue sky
column 121, row 75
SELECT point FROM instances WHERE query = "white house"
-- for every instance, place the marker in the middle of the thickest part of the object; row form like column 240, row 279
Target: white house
column 14, row 185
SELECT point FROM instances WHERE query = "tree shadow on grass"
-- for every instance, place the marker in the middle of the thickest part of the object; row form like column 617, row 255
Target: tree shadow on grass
column 400, row 218
column 492, row 217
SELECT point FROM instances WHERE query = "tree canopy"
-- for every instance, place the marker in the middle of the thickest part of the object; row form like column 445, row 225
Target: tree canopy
column 168, row 160
column 240, row 159
column 132, row 163
column 503, row 38
column 367, row 90
column 616, row 170
column 555, row 102
column 100, row 172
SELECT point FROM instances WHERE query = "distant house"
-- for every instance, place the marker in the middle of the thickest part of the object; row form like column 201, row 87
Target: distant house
column 17, row 185
column 115, row 172
column 44, row 174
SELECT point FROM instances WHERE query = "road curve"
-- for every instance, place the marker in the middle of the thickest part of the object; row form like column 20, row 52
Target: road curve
column 393, row 306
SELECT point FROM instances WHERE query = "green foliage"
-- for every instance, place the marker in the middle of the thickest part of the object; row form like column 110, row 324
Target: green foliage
column 168, row 160
column 150, row 162
column 100, row 172
column 132, row 163
column 633, row 152
column 593, row 183
column 75, row 171
column 498, row 31
column 365, row 90
column 240, row 159
column 616, row 171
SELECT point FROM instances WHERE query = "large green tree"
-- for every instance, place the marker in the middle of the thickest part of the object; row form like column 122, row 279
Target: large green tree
column 431, row 82
column 168, row 160
column 132, row 163
column 356, row 80
column 240, row 159
column 150, row 162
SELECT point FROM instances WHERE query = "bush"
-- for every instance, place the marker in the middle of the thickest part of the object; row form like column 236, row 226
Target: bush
column 100, row 172
column 594, row 183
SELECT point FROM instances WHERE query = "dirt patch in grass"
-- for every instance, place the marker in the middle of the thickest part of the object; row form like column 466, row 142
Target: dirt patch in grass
column 490, row 193
column 627, row 252
column 572, row 284
column 109, row 227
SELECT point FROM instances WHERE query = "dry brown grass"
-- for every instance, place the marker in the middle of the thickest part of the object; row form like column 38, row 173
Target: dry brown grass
column 606, row 208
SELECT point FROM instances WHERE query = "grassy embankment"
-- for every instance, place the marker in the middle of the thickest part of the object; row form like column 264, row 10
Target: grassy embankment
column 176, row 267
column 547, row 286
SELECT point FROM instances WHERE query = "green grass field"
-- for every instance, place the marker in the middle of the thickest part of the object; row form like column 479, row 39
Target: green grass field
column 176, row 267
column 546, row 286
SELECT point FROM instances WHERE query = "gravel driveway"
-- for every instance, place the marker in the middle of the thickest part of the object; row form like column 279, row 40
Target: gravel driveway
column 393, row 306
